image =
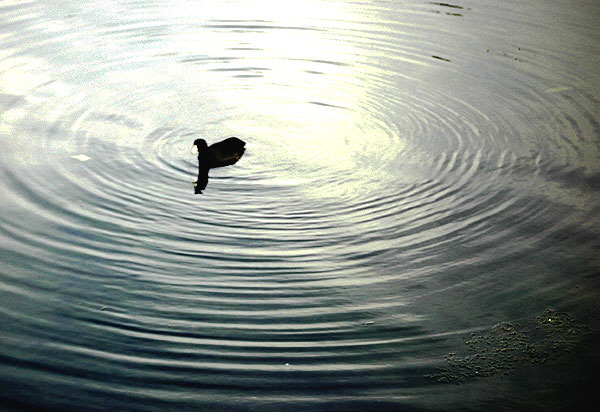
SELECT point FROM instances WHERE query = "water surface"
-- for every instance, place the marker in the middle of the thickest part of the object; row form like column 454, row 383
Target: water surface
column 417, row 174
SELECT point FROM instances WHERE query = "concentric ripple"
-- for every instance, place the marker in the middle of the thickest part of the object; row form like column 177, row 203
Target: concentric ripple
column 414, row 173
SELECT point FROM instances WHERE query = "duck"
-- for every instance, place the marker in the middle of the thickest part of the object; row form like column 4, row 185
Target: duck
column 223, row 153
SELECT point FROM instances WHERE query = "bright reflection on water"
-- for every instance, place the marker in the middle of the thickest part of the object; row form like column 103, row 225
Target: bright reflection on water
column 415, row 173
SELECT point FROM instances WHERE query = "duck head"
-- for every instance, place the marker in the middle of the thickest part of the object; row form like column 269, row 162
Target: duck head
column 199, row 145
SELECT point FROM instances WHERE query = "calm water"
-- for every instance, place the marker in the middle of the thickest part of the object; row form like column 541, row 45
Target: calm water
column 416, row 174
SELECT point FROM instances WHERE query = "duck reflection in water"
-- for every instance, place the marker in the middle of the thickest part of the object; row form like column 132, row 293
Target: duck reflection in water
column 219, row 154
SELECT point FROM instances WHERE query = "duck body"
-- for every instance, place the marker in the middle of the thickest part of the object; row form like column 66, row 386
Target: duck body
column 224, row 153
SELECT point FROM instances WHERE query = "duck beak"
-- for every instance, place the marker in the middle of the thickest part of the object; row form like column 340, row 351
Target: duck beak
column 195, row 149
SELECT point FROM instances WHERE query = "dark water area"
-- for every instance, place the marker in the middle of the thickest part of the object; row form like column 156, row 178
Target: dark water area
column 414, row 225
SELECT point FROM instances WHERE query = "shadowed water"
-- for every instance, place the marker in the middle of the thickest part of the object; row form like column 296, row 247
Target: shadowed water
column 418, row 196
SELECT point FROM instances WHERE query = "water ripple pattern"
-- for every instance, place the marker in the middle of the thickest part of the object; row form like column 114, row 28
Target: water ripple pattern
column 415, row 172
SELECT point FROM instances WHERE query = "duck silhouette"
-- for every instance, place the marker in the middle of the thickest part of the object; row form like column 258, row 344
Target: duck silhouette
column 224, row 153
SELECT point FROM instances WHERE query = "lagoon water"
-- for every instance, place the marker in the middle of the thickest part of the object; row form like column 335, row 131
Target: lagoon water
column 417, row 174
